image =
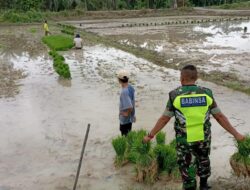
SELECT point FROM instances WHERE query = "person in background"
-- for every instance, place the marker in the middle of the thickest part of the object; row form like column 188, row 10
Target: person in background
column 78, row 42
column 127, row 103
column 46, row 28
column 191, row 105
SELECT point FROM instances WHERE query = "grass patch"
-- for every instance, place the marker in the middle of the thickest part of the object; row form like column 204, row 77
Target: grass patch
column 33, row 30
column 58, row 42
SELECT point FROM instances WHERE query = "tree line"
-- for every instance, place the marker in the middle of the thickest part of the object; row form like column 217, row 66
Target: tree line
column 59, row 5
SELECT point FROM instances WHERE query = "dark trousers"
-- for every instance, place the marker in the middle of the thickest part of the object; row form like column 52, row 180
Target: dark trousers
column 125, row 129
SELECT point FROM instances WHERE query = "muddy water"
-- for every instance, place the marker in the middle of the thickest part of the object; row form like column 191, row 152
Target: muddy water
column 218, row 46
column 42, row 127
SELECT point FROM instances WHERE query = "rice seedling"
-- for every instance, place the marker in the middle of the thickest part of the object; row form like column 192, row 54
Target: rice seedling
column 58, row 42
column 59, row 65
column 240, row 161
column 244, row 147
column 133, row 157
column 175, row 174
column 120, row 147
column 173, row 143
column 161, row 138
column 166, row 157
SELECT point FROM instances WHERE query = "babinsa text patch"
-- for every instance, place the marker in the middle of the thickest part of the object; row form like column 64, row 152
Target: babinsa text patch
column 194, row 101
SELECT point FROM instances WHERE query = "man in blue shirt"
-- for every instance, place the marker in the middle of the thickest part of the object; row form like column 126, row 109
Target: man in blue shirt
column 127, row 103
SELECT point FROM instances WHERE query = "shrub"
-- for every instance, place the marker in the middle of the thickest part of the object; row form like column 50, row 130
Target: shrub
column 58, row 42
column 161, row 138
column 24, row 17
column 120, row 146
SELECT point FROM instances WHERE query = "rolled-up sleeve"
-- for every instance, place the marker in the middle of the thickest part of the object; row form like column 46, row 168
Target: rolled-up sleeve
column 214, row 108
column 169, row 110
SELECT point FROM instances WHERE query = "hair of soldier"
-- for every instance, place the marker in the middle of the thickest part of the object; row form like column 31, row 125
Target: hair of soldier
column 124, row 80
column 189, row 72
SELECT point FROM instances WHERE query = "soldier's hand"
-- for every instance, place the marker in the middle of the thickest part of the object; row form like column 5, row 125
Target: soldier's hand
column 240, row 137
column 146, row 139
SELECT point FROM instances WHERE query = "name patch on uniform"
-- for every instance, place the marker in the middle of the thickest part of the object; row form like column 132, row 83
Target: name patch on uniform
column 194, row 101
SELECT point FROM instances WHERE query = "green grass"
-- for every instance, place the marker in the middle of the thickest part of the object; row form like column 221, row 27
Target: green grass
column 33, row 30
column 239, row 5
column 58, row 42
column 22, row 17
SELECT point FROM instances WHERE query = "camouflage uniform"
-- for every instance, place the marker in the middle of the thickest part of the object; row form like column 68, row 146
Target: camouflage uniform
column 193, row 157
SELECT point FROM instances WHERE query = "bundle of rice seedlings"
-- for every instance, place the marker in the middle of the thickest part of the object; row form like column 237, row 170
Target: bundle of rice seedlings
column 120, row 146
column 237, row 163
column 146, row 170
column 240, row 161
column 133, row 156
column 166, row 158
column 160, row 138
column 173, row 143
column 176, row 175
column 131, row 138
column 146, row 165
column 244, row 147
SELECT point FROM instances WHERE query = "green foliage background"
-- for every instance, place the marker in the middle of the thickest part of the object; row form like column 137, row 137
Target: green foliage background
column 60, row 5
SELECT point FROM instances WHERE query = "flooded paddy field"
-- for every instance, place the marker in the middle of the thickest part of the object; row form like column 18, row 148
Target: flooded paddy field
column 215, row 44
column 43, row 118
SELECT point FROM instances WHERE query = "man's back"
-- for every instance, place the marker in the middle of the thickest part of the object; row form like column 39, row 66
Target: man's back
column 78, row 42
column 191, row 106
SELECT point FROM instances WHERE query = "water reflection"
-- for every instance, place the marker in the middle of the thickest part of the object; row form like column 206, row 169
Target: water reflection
column 232, row 35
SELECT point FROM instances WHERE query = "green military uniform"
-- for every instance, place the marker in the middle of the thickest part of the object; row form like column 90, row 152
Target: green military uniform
column 192, row 106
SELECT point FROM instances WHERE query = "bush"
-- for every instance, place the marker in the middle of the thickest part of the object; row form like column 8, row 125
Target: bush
column 27, row 17
column 58, row 42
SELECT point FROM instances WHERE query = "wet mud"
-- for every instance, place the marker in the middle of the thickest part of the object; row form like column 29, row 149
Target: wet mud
column 215, row 47
column 42, row 127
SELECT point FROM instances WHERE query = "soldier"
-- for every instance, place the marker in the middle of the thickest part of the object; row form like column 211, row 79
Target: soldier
column 192, row 105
